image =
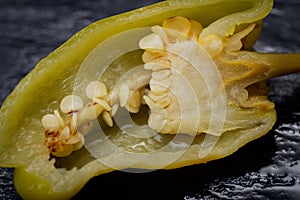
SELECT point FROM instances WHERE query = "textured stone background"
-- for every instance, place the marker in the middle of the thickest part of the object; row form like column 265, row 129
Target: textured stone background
column 267, row 168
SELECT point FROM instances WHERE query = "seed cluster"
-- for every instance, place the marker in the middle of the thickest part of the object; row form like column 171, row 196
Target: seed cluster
column 66, row 134
column 130, row 90
column 130, row 99
column 164, row 65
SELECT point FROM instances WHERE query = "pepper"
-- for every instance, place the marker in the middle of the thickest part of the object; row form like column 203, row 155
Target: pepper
column 42, row 174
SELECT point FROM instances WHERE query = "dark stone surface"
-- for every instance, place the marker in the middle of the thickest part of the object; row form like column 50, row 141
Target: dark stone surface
column 268, row 168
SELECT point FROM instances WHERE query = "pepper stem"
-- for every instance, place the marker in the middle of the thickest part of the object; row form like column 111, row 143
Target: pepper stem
column 281, row 64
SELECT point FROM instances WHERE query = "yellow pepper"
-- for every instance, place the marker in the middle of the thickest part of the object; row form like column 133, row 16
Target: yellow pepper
column 49, row 170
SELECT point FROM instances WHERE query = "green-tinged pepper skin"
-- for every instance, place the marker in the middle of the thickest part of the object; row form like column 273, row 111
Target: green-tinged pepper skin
column 40, row 176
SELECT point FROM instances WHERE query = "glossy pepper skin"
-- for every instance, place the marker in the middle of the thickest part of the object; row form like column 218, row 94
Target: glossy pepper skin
column 22, row 144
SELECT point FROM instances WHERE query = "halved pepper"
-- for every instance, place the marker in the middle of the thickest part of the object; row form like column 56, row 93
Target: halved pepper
column 218, row 32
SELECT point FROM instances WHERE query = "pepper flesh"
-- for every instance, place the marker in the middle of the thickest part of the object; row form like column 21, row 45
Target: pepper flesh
column 31, row 157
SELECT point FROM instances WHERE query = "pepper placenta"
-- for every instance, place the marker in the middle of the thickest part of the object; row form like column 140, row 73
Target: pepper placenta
column 212, row 98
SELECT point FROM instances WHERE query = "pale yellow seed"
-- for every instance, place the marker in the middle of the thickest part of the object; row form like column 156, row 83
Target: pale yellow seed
column 213, row 45
column 73, row 123
column 155, row 66
column 59, row 118
column 50, row 122
column 172, row 127
column 144, row 91
column 65, row 134
column 123, row 94
column 149, row 56
column 165, row 102
column 114, row 98
column 151, row 42
column 161, row 75
column 132, row 109
column 107, row 118
column 178, row 23
column 65, row 151
column 71, row 103
column 96, row 89
column 73, row 139
column 90, row 112
column 158, row 89
column 135, row 99
column 102, row 103
column 156, row 97
column 149, row 66
column 141, row 81
column 97, row 109
column 161, row 32
column 196, row 29
column 177, row 28
column 158, row 64
column 165, row 64
column 156, row 122
column 114, row 109
column 166, row 82
column 79, row 144
column 51, row 140
column 149, row 102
